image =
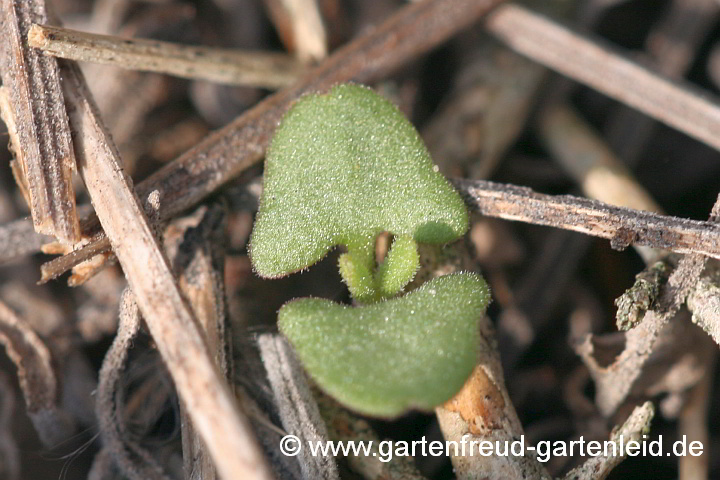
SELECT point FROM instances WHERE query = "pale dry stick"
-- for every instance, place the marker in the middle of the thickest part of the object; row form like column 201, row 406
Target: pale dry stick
column 228, row 152
column 132, row 460
column 37, row 122
column 37, row 378
column 171, row 323
column 300, row 26
column 588, row 61
column 622, row 226
column 230, row 67
column 297, row 408
column 601, row 175
column 633, row 429
column 587, row 158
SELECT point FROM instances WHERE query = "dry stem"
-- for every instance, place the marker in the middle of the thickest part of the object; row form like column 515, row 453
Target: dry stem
column 231, row 67
column 622, row 226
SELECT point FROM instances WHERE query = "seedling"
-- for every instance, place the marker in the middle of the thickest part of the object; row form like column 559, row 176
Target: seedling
column 341, row 169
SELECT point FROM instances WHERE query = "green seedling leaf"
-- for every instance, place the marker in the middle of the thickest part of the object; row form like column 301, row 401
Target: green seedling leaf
column 342, row 168
column 414, row 351
column 399, row 267
column 358, row 277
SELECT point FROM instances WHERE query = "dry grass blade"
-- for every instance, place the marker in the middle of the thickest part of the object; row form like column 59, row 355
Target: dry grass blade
column 37, row 377
column 587, row 61
column 171, row 322
column 228, row 152
column 622, row 226
column 257, row 69
column 34, row 110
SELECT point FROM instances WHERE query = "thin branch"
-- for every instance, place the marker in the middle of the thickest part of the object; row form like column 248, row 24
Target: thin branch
column 622, row 226
column 228, row 152
column 33, row 108
column 598, row 468
column 171, row 322
column 231, row 67
column 588, row 61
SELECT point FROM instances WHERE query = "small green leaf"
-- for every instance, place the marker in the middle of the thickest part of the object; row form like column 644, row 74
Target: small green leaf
column 399, row 267
column 342, row 168
column 414, row 351
column 358, row 277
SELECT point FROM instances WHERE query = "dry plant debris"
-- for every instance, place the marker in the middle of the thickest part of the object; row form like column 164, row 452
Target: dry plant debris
column 572, row 131
column 33, row 108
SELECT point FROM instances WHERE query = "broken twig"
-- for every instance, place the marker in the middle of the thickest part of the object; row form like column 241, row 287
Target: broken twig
column 634, row 428
column 33, row 108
